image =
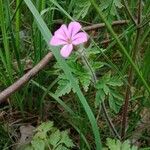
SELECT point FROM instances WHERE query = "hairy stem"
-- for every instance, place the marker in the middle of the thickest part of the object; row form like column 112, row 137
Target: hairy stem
column 130, row 75
column 107, row 117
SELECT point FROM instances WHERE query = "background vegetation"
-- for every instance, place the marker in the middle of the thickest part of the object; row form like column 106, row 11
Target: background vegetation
column 98, row 97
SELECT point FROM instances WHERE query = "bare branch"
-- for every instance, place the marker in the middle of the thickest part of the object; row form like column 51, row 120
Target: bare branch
column 101, row 25
column 25, row 78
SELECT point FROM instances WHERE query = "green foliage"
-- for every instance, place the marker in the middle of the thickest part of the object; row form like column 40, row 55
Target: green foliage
column 64, row 86
column 49, row 137
column 110, row 6
column 79, row 70
column 81, row 8
column 113, row 144
column 107, row 89
column 4, row 138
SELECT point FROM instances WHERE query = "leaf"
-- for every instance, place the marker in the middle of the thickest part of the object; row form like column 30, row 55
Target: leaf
column 61, row 147
column 85, row 80
column 43, row 129
column 55, row 138
column 113, row 144
column 100, row 96
column 28, row 147
column 38, row 144
column 106, row 89
column 118, row 4
column 45, row 126
column 81, row 8
column 110, row 6
column 115, row 81
column 125, row 145
column 112, row 104
column 63, row 88
column 66, row 140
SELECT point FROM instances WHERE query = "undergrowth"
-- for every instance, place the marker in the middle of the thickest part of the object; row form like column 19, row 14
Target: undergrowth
column 100, row 93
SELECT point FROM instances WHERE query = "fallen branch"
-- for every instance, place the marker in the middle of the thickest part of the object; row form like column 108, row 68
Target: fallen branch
column 25, row 78
column 101, row 25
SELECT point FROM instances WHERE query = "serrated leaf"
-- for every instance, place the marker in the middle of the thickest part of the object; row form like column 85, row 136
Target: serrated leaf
column 61, row 147
column 110, row 5
column 125, row 145
column 81, row 8
column 85, row 81
column 118, row 4
column 66, row 140
column 112, row 104
column 45, row 126
column 100, row 96
column 115, row 81
column 38, row 144
column 28, row 147
column 63, row 88
column 113, row 144
column 55, row 138
column 97, row 65
column 106, row 89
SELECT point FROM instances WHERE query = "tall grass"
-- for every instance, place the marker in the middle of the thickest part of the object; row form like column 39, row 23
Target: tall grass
column 24, row 35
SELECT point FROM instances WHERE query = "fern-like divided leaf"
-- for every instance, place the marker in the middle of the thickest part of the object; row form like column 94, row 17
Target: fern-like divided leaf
column 81, row 8
column 107, row 89
column 64, row 87
column 109, row 6
column 114, row 144
column 49, row 137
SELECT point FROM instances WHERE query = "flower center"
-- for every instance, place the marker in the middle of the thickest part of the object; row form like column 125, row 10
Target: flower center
column 69, row 41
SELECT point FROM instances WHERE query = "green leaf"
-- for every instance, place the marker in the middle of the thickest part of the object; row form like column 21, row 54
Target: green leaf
column 45, row 127
column 115, row 81
column 61, row 147
column 106, row 89
column 38, row 144
column 66, row 140
column 118, row 4
column 28, row 147
column 63, row 88
column 85, row 80
column 81, row 8
column 110, row 6
column 55, row 138
column 125, row 145
column 100, row 96
column 112, row 104
column 113, row 144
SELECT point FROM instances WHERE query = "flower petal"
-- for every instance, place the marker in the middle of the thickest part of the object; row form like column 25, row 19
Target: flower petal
column 56, row 41
column 79, row 38
column 66, row 50
column 74, row 28
column 62, row 32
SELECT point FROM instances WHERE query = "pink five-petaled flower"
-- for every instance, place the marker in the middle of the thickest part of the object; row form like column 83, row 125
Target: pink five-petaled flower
column 68, row 36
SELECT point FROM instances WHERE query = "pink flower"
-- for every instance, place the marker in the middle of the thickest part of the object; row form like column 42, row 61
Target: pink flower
column 68, row 36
